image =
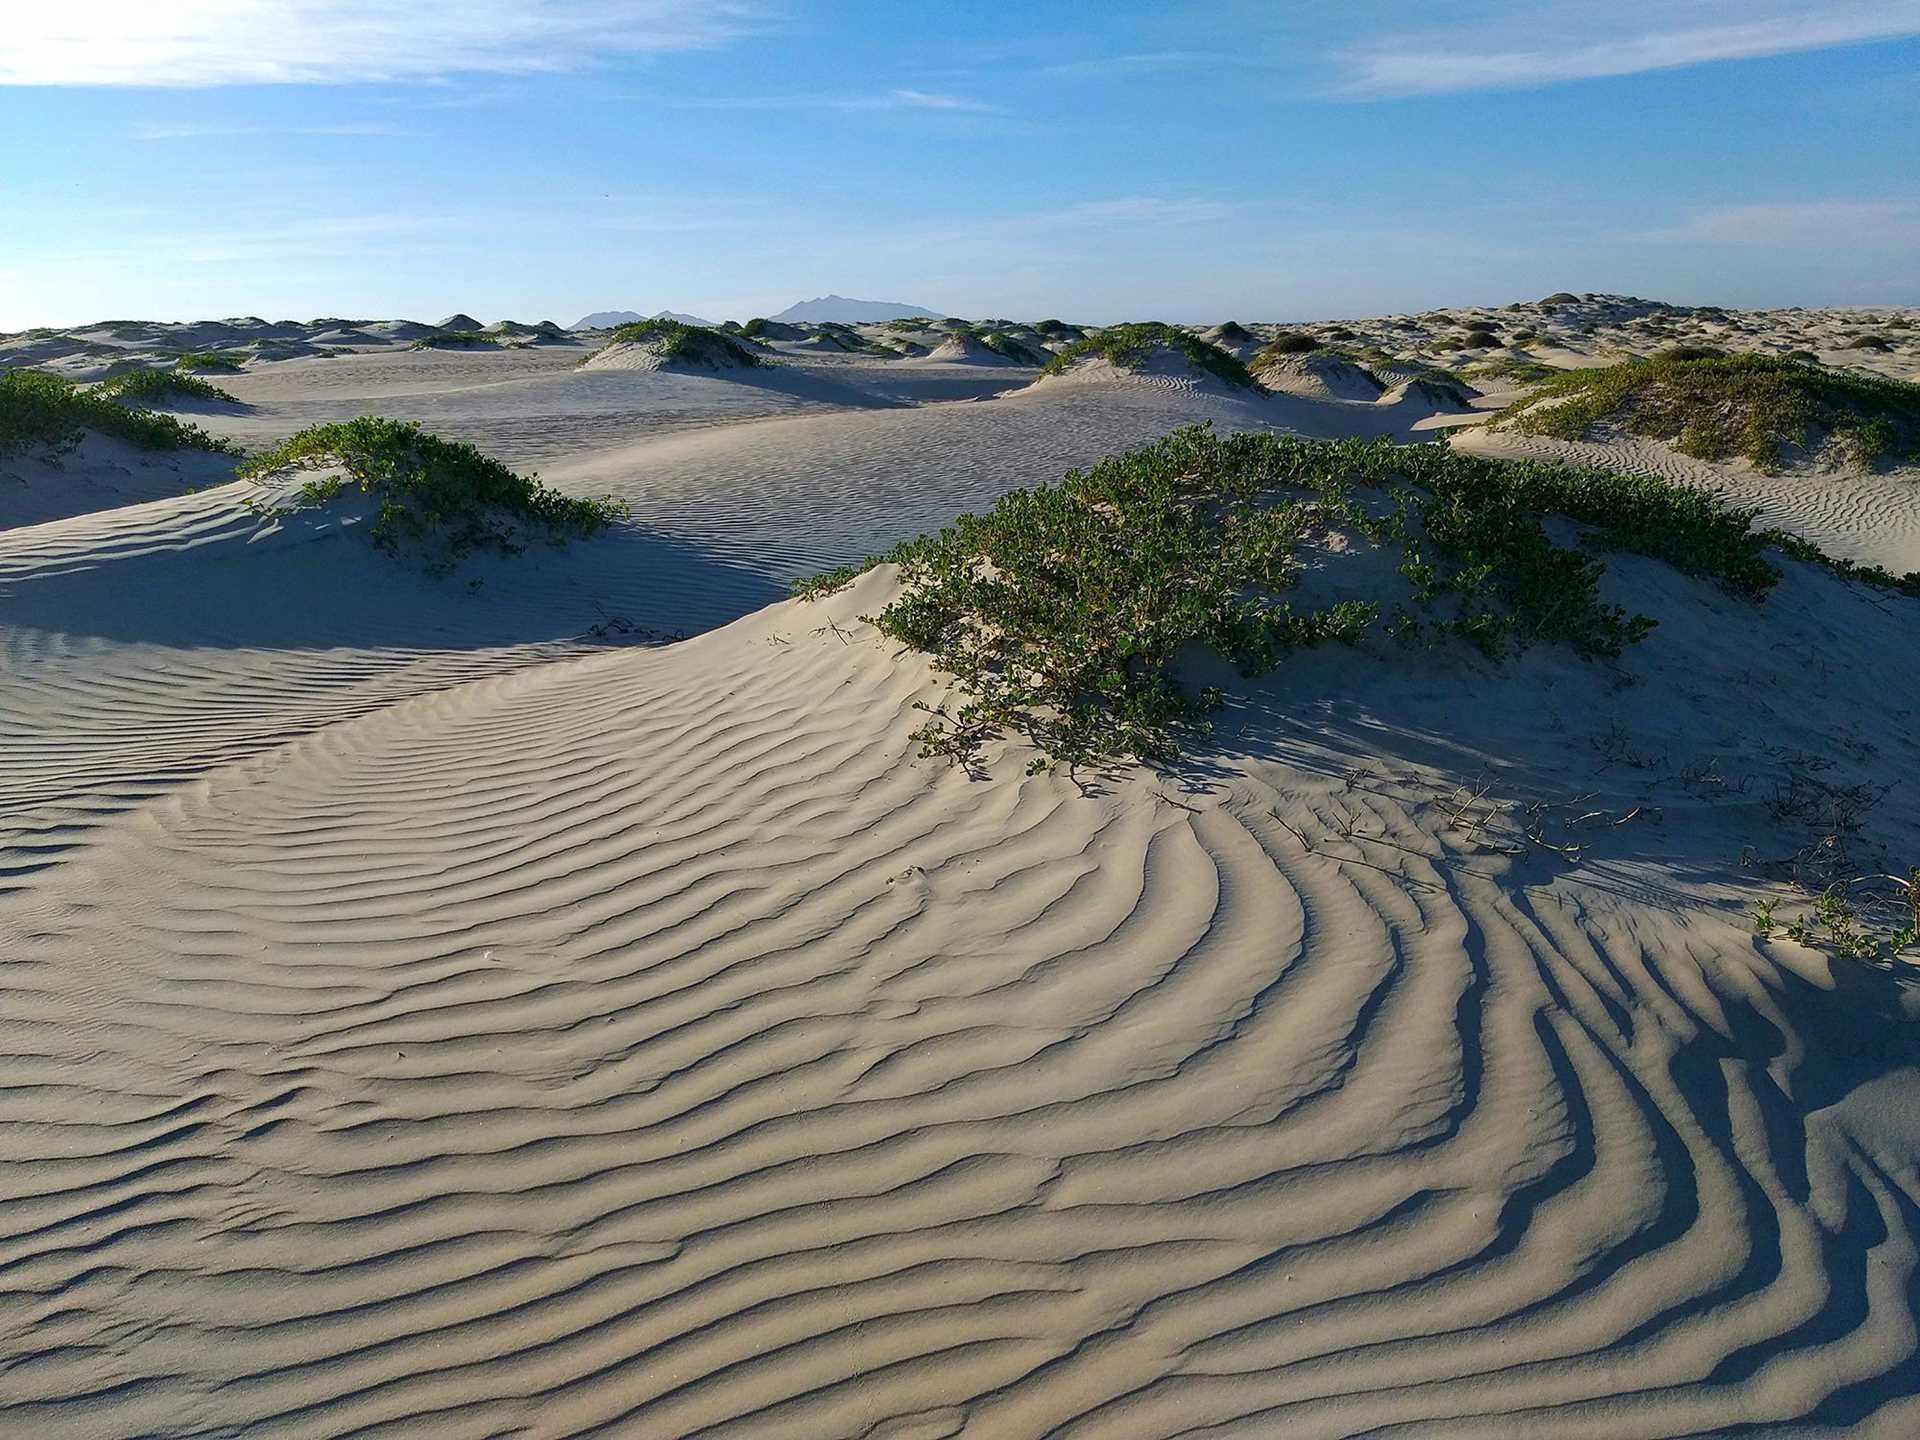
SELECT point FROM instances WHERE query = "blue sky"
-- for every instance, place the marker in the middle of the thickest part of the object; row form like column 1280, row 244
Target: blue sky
column 543, row 158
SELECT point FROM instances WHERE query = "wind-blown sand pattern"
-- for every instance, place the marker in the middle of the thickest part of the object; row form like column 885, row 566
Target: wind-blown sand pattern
column 429, row 1011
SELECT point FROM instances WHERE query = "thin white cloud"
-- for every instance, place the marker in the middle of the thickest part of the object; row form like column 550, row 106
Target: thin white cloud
column 887, row 100
column 1822, row 225
column 186, row 43
column 1626, row 39
column 156, row 131
column 1144, row 62
column 1130, row 210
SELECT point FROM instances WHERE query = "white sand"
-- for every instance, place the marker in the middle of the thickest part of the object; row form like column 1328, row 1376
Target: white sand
column 440, row 1010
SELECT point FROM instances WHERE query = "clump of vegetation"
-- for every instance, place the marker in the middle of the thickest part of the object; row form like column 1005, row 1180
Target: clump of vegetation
column 755, row 327
column 691, row 344
column 1747, row 405
column 1235, row 333
column 1061, row 613
column 1009, row 346
column 442, row 495
column 1868, row 342
column 1127, row 345
column 1511, row 367
column 1294, row 342
column 41, row 409
column 151, row 385
column 1691, row 352
column 1480, row 338
column 1870, row 918
column 1803, row 357
column 456, row 340
column 208, row 360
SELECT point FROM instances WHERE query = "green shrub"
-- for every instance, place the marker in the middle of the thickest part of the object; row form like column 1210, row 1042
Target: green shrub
column 208, row 360
column 755, row 327
column 1294, row 342
column 1746, row 405
column 41, row 409
column 1062, row 612
column 455, row 340
column 443, row 495
column 1127, row 345
column 160, row 385
column 1009, row 346
column 1691, row 352
column 692, row 344
column 1511, row 367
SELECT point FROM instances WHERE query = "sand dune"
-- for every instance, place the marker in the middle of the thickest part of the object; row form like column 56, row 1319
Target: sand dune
column 437, row 1006
column 715, row 1069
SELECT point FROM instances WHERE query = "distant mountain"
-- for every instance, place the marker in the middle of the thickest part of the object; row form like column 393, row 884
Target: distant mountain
column 607, row 319
column 850, row 312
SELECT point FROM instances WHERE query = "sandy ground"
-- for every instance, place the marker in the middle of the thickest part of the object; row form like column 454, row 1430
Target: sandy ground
column 437, row 1007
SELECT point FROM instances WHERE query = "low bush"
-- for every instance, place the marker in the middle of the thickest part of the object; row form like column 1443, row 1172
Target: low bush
column 152, row 385
column 691, row 344
column 456, row 340
column 1062, row 612
column 1128, row 345
column 441, row 495
column 41, row 409
column 1718, row 407
column 208, row 360
column 1294, row 342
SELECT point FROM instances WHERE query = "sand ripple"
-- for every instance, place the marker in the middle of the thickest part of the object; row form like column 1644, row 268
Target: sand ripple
column 627, row 1046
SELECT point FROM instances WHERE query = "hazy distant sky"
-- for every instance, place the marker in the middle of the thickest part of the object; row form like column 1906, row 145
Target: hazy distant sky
column 544, row 158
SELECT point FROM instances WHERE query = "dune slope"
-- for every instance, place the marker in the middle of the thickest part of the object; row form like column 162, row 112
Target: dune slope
column 645, row 1045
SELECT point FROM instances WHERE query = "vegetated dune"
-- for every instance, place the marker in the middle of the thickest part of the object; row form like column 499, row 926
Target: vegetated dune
column 460, row 320
column 434, row 1006
column 1317, row 375
column 1871, row 519
column 717, row 1067
column 968, row 350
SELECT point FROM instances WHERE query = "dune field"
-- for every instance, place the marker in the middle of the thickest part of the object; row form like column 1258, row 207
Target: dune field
column 548, row 992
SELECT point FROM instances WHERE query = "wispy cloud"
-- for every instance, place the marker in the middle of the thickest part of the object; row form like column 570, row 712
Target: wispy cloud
column 1823, row 225
column 886, row 100
column 1131, row 211
column 1143, row 62
column 207, row 132
column 320, row 42
column 1627, row 39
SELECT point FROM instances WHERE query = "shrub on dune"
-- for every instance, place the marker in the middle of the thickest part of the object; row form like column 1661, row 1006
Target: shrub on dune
column 1063, row 613
column 1126, row 346
column 688, row 344
column 1719, row 407
column 442, row 495
column 41, row 409
column 456, row 340
column 1295, row 342
column 209, row 360
column 160, row 385
column 1509, row 367
column 1009, row 347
